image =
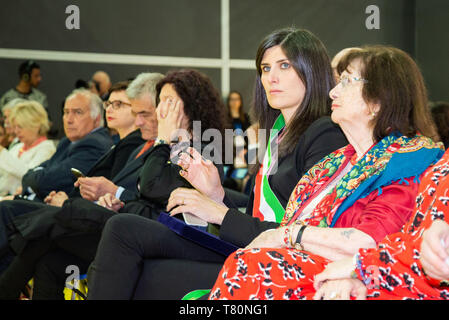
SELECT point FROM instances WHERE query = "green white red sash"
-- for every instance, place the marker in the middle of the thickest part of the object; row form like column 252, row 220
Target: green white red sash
column 266, row 205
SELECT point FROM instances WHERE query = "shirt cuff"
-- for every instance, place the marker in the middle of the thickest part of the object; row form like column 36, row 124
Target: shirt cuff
column 119, row 192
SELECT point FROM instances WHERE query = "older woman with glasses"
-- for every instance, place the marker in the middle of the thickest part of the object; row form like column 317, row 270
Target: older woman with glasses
column 356, row 195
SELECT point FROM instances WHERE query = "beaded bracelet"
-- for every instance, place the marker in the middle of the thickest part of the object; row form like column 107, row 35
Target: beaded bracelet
column 358, row 266
column 287, row 237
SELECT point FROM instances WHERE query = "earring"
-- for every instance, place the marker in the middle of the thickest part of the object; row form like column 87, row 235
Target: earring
column 373, row 114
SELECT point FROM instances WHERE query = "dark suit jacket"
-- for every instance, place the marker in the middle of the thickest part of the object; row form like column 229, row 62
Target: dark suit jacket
column 27, row 225
column 55, row 174
column 128, row 178
column 111, row 163
column 114, row 161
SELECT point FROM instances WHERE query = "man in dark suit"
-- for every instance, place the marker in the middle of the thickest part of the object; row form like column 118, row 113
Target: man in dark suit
column 35, row 222
column 85, row 142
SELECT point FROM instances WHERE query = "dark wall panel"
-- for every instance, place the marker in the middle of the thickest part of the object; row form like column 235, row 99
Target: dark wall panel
column 432, row 46
column 171, row 27
column 338, row 23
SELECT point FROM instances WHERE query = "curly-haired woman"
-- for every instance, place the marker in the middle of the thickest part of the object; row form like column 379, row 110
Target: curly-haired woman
column 183, row 97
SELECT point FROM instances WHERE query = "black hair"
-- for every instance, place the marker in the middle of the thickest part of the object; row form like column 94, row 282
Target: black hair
column 309, row 58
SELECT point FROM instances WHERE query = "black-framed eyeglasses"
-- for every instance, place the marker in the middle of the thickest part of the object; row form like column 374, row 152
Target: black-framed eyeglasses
column 116, row 104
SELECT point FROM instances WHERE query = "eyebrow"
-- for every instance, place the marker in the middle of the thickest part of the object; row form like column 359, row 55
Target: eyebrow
column 72, row 109
column 281, row 60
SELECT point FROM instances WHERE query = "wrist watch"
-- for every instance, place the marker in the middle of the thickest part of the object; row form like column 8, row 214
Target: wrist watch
column 159, row 141
column 298, row 244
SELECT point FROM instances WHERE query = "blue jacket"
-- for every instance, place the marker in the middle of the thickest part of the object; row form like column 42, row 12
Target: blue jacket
column 55, row 174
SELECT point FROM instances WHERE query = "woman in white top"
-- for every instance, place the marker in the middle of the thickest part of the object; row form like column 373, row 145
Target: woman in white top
column 30, row 122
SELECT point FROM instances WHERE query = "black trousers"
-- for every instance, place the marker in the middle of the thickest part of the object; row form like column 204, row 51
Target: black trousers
column 139, row 258
column 8, row 211
column 46, row 261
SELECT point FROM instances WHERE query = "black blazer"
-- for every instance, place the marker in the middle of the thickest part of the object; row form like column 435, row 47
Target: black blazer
column 55, row 174
column 114, row 161
column 321, row 138
column 159, row 177
column 128, row 178
column 76, row 214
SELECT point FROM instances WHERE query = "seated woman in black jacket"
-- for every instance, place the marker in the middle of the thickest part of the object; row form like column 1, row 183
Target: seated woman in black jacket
column 142, row 259
column 185, row 97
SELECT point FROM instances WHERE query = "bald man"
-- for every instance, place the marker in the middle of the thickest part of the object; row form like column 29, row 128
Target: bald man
column 104, row 81
column 337, row 59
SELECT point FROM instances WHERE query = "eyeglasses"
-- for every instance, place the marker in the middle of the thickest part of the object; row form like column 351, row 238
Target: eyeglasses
column 345, row 81
column 116, row 104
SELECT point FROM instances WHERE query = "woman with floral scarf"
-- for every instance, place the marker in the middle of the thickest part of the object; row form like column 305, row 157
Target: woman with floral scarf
column 411, row 264
column 355, row 196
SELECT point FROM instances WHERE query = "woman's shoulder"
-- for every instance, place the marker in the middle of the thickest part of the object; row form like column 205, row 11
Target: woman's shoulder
column 322, row 134
column 46, row 144
column 322, row 124
column 322, row 127
column 134, row 138
column 13, row 151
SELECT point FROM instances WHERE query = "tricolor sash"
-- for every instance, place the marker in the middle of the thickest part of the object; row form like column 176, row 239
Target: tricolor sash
column 266, row 205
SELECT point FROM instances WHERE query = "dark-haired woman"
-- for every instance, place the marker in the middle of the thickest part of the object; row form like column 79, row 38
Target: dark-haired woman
column 240, row 122
column 356, row 195
column 291, row 97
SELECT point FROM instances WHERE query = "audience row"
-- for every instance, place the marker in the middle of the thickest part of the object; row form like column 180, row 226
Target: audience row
column 348, row 201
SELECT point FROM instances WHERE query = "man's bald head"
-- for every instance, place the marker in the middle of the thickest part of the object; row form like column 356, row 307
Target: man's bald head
column 337, row 59
column 104, row 80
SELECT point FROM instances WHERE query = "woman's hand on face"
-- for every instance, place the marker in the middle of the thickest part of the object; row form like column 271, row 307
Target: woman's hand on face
column 273, row 238
column 340, row 269
column 192, row 201
column 341, row 289
column 435, row 250
column 202, row 174
column 169, row 118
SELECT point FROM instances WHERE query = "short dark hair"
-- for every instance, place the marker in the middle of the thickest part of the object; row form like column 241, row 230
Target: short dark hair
column 202, row 101
column 27, row 67
column 119, row 86
column 310, row 60
column 395, row 82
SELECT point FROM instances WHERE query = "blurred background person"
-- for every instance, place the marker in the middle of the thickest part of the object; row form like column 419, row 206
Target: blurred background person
column 12, row 139
column 235, row 172
column 101, row 82
column 30, row 78
column 440, row 114
column 3, row 135
column 30, row 122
